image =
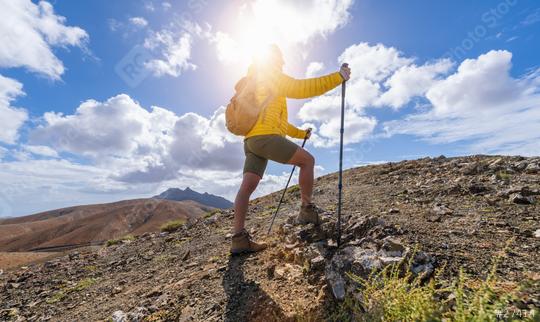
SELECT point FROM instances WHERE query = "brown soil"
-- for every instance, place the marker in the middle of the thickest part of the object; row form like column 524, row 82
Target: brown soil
column 12, row 260
column 84, row 225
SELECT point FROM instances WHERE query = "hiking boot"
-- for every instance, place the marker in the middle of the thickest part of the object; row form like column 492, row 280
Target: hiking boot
column 242, row 244
column 309, row 214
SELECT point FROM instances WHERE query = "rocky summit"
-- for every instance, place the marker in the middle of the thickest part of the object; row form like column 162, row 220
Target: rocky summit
column 436, row 217
column 176, row 194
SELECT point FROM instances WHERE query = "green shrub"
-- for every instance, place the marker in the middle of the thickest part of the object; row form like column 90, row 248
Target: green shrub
column 503, row 175
column 65, row 291
column 84, row 284
column 173, row 225
column 391, row 295
column 57, row 297
column 211, row 213
column 293, row 189
column 112, row 242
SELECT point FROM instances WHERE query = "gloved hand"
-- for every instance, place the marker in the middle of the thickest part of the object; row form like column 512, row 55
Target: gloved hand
column 308, row 133
column 345, row 72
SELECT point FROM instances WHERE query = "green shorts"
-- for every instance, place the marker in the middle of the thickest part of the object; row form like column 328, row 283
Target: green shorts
column 259, row 149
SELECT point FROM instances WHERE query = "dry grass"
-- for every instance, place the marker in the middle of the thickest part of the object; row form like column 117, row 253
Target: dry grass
column 173, row 225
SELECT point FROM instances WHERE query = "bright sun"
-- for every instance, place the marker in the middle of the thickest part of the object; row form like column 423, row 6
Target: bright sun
column 258, row 25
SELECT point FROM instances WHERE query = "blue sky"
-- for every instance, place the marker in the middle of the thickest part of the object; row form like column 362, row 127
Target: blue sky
column 429, row 78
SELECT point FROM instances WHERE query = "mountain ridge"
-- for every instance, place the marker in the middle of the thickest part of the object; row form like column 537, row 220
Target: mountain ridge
column 177, row 194
column 88, row 224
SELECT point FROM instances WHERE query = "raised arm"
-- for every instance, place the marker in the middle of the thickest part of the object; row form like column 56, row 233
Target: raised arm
column 295, row 132
column 305, row 88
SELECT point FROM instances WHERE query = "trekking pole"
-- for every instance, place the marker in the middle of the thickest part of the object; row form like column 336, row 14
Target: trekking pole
column 286, row 186
column 340, row 180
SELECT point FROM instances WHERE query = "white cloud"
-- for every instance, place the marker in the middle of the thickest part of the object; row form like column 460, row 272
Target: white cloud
column 114, row 24
column 374, row 63
column 31, row 186
column 412, row 80
column 532, row 18
column 140, row 145
column 41, row 150
column 197, row 144
column 175, row 49
column 327, row 134
column 300, row 20
column 117, row 129
column 371, row 67
column 481, row 103
column 31, row 30
column 149, row 5
column 138, row 22
column 3, row 152
column 478, row 85
column 11, row 118
column 314, row 68
column 166, row 5
column 298, row 23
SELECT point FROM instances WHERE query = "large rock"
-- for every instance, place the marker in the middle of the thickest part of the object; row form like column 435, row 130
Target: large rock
column 532, row 168
column 361, row 262
column 423, row 265
column 520, row 199
column 474, row 168
column 119, row 316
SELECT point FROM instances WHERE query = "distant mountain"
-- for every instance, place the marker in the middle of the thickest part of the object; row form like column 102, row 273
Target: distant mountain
column 90, row 224
column 202, row 198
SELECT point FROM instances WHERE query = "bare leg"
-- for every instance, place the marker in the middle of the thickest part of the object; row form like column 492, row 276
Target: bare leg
column 306, row 162
column 249, row 184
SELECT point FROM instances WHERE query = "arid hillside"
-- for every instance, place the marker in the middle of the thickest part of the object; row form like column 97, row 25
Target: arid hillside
column 432, row 219
column 83, row 225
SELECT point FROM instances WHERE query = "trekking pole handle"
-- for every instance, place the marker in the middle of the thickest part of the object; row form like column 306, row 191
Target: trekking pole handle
column 344, row 65
column 308, row 134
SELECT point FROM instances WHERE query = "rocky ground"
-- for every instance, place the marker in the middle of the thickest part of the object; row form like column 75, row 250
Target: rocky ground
column 458, row 213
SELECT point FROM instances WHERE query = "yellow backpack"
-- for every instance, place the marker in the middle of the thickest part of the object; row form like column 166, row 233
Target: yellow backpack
column 243, row 111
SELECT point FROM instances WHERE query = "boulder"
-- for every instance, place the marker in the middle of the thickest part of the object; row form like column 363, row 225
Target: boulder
column 441, row 210
column 119, row 316
column 335, row 282
column 360, row 261
column 532, row 168
column 473, row 168
column 138, row 314
column 393, row 247
column 495, row 165
column 423, row 265
column 477, row 188
column 520, row 199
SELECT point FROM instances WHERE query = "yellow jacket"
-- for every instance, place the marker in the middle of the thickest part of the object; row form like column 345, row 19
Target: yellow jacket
column 275, row 86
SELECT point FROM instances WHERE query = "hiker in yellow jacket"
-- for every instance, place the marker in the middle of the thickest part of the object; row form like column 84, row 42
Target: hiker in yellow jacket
column 266, row 140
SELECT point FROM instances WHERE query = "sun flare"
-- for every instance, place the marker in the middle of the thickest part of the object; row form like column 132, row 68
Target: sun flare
column 258, row 25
